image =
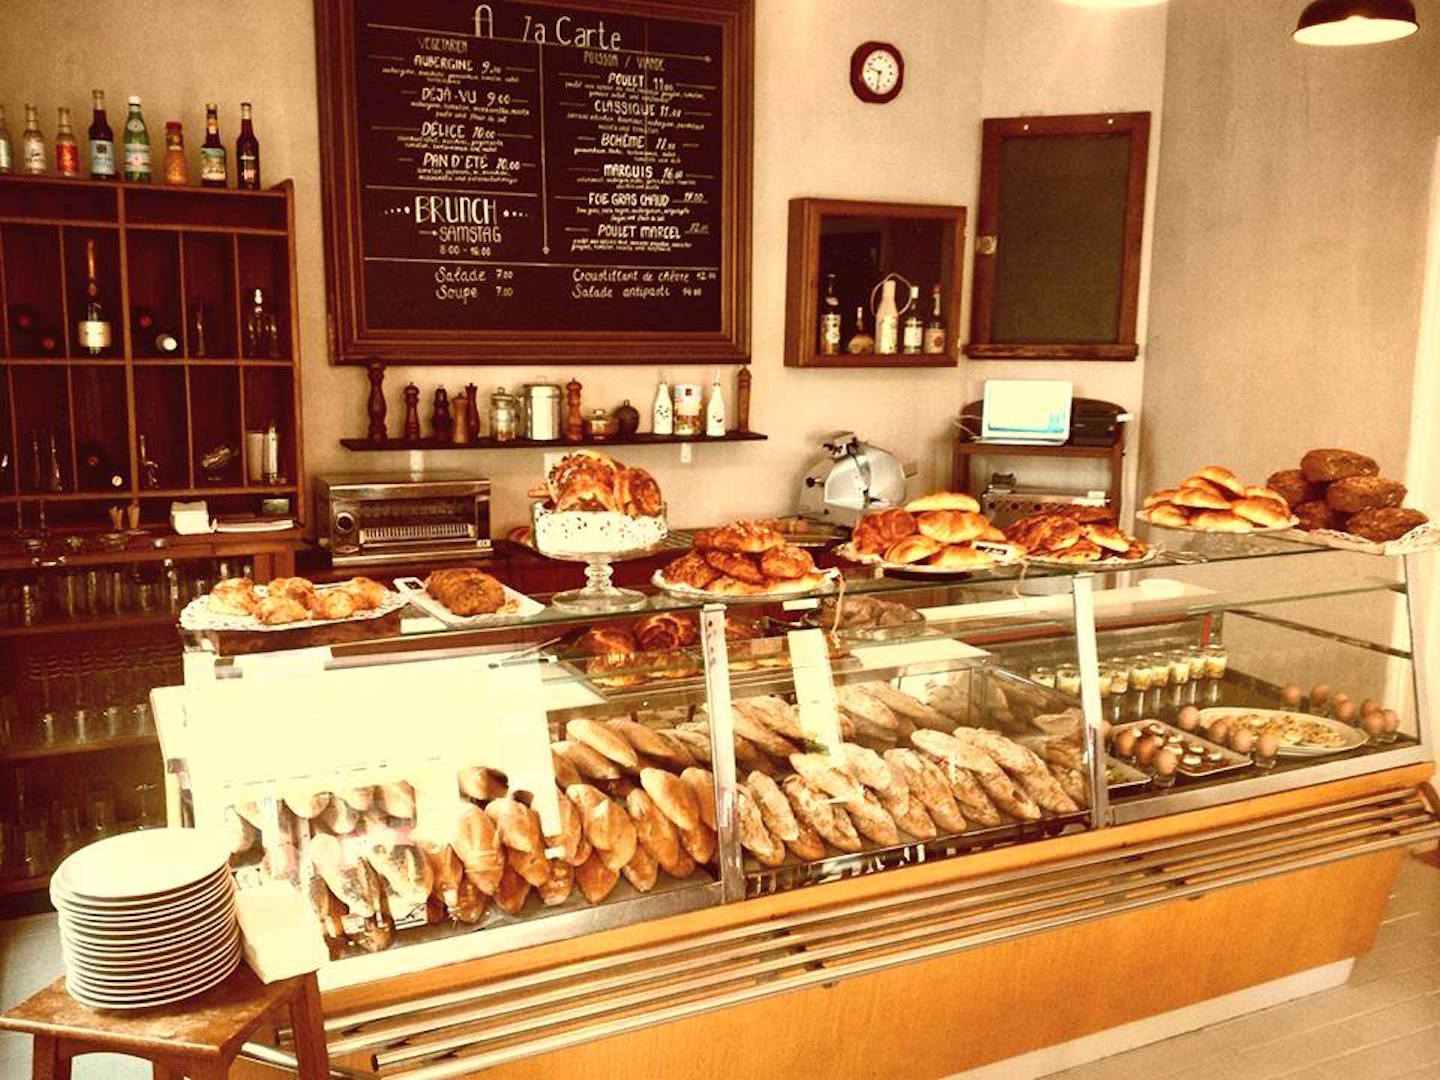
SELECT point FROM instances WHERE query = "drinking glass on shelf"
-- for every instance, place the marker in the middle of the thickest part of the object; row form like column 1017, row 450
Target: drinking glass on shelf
column 102, row 809
column 65, row 818
column 149, row 805
column 48, row 728
column 84, row 723
column 140, row 720
column 35, row 856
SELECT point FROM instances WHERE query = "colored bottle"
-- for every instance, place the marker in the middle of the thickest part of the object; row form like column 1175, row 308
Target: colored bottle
column 212, row 151
column 247, row 153
column 32, row 144
column 102, row 141
column 67, row 152
column 177, row 171
column 137, row 144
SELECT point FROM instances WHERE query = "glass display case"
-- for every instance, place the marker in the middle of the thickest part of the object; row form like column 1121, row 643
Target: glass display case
column 442, row 795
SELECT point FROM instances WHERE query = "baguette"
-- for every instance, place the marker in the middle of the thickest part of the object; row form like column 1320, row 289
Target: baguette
column 675, row 798
column 703, row 785
column 654, row 831
column 556, row 889
column 774, row 808
column 477, row 842
column 603, row 740
column 642, row 871
column 595, row 879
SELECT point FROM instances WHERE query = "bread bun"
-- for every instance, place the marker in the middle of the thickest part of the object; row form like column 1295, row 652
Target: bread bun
column 912, row 549
column 1291, row 485
column 1356, row 493
column 1385, row 523
column 1328, row 465
column 1220, row 521
column 1260, row 491
column 1107, row 536
column 1197, row 498
column 952, row 526
column 1267, row 513
column 944, row 500
column 1223, row 478
column 1316, row 514
column 1195, row 480
column 1167, row 514
column 960, row 557
column 1162, row 496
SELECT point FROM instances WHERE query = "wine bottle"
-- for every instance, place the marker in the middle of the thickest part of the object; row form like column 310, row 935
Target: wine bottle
column 32, row 144
column 247, row 153
column 256, row 321
column 935, row 328
column 137, row 144
column 212, row 151
column 177, row 169
column 67, row 153
column 92, row 332
column 7, row 153
column 830, row 329
column 887, row 320
column 102, row 141
column 860, row 341
column 912, row 338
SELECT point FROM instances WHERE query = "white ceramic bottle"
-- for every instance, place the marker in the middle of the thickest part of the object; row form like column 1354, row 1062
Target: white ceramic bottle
column 662, row 413
column 715, row 410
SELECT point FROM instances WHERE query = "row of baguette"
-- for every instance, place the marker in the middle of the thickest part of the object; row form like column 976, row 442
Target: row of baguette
column 636, row 799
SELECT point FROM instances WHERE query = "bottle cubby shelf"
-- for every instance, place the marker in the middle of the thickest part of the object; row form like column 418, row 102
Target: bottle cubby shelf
column 190, row 367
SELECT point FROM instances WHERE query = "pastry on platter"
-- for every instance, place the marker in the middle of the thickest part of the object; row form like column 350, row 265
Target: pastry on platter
column 1214, row 499
column 1344, row 492
column 938, row 530
column 233, row 596
column 466, row 590
column 743, row 558
column 595, row 505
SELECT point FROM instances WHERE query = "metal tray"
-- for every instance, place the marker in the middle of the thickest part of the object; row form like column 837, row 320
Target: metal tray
column 1232, row 760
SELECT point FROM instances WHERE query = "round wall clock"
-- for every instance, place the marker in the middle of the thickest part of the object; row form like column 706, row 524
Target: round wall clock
column 877, row 72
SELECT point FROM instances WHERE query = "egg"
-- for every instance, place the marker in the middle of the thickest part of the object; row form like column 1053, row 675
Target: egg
column 1340, row 699
column 1242, row 740
column 1374, row 723
column 1124, row 745
column 1188, row 719
column 1345, row 711
column 1392, row 720
column 1268, row 744
column 1291, row 696
column 1146, row 750
column 1370, row 705
column 1166, row 762
column 1105, row 727
column 1319, row 694
column 1219, row 731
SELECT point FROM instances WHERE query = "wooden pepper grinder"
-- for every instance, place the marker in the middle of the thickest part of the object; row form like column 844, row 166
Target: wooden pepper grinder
column 460, row 420
column 412, row 413
column 742, row 400
column 472, row 394
column 440, row 418
column 376, row 406
column 574, row 422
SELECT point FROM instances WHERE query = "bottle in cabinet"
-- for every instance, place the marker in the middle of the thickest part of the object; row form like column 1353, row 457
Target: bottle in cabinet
column 212, row 151
column 7, row 153
column 32, row 144
column 137, row 144
column 860, row 341
column 887, row 320
column 102, row 141
column 830, row 320
column 247, row 153
column 935, row 326
column 662, row 413
column 92, row 332
column 177, row 170
column 262, row 329
column 67, row 152
column 912, row 338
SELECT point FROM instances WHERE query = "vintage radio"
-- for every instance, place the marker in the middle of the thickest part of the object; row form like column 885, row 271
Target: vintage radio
column 371, row 519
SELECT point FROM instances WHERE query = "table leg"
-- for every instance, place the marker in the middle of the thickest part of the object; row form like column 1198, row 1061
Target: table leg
column 49, row 1061
column 308, row 1023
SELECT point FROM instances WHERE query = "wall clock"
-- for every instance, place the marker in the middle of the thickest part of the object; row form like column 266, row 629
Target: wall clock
column 877, row 72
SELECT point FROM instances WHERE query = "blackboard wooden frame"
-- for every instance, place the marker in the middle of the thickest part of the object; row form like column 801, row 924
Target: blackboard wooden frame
column 352, row 341
column 989, row 233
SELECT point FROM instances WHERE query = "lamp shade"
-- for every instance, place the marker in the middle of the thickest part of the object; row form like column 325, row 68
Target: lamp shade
column 1355, row 22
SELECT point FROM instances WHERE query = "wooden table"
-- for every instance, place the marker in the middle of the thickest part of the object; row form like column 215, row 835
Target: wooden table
column 196, row 1038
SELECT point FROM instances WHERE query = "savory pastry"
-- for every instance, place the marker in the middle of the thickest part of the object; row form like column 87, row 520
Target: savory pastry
column 278, row 610
column 1197, row 498
column 607, row 640
column 368, row 593
column 638, row 493
column 1291, row 485
column 1042, row 532
column 1356, row 493
column 665, row 630
column 944, row 500
column 233, row 596
column 332, row 604
column 879, row 529
column 951, row 526
column 743, row 537
column 1386, row 523
column 296, row 588
column 736, row 566
column 1266, row 513
column 912, row 549
column 961, row 557
column 691, row 569
column 466, row 590
column 786, row 563
column 1328, row 465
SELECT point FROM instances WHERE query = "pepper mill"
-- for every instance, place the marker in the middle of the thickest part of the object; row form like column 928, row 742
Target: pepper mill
column 440, row 418
column 574, row 422
column 376, row 405
column 460, row 420
column 412, row 413
column 473, row 396
column 742, row 400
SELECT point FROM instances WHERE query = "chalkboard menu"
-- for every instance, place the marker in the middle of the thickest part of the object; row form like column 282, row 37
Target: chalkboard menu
column 523, row 182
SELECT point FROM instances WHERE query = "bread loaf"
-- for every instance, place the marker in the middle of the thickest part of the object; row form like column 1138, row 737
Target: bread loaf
column 673, row 796
column 1356, row 493
column 1386, row 523
column 1292, row 486
column 1328, row 465
column 604, row 740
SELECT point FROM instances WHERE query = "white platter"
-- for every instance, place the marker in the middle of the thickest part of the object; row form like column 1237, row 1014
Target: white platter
column 826, row 584
column 1113, row 563
column 142, row 865
column 1222, row 532
column 1353, row 736
column 197, row 616
column 845, row 551
column 522, row 607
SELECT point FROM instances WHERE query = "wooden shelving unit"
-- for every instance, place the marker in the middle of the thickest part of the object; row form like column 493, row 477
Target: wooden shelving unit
column 642, row 438
column 166, row 252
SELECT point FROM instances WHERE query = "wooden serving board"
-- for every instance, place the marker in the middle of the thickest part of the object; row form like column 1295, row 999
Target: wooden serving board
column 250, row 642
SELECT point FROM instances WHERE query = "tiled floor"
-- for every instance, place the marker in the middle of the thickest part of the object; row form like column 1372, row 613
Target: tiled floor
column 1384, row 1024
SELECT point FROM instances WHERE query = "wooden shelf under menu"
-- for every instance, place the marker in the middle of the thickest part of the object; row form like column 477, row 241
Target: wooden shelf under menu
column 643, row 438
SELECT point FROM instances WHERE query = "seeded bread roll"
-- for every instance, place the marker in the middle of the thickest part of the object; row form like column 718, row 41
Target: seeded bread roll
column 1356, row 493
column 1291, row 485
column 1325, row 466
column 1385, row 523
column 1317, row 514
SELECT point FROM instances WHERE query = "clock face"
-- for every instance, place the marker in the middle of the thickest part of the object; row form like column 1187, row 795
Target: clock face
column 877, row 72
column 880, row 71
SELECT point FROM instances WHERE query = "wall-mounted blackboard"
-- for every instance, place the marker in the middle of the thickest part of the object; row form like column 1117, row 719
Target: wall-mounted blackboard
column 1057, row 247
column 522, row 182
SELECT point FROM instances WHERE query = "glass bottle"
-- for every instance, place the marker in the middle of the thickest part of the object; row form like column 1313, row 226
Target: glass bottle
column 67, row 153
column 93, row 331
column 912, row 338
column 860, row 341
column 177, row 170
column 262, row 329
column 935, row 327
column 662, row 413
column 830, row 328
column 102, row 141
column 212, row 152
column 32, row 144
column 137, row 144
column 247, row 153
column 7, row 153
column 887, row 320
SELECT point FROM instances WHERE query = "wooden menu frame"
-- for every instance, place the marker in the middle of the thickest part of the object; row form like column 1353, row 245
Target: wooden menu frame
column 990, row 232
column 353, row 341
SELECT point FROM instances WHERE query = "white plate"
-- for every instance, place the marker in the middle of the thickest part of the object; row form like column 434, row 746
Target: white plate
column 825, row 585
column 163, row 968
column 845, row 551
column 168, row 905
column 1353, row 736
column 1222, row 532
column 1114, row 563
column 197, row 615
column 413, row 589
column 142, row 865
column 176, row 978
column 151, row 1000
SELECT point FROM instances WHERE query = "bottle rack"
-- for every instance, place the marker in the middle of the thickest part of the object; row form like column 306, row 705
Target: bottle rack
column 163, row 256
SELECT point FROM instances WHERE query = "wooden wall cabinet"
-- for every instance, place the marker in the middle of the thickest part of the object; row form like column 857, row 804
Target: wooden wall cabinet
column 177, row 261
column 861, row 242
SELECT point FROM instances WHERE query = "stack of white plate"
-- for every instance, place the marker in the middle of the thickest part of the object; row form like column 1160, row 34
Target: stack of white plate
column 146, row 918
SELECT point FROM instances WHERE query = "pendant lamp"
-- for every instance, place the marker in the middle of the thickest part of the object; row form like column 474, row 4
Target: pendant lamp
column 1355, row 22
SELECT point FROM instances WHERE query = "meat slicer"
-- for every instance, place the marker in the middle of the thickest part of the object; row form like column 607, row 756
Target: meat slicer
column 852, row 477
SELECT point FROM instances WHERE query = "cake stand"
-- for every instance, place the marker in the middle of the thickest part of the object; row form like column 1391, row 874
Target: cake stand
column 600, row 595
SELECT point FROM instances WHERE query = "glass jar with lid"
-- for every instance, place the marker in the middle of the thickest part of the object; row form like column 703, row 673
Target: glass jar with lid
column 504, row 415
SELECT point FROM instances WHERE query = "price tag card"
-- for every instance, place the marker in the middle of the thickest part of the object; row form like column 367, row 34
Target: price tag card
column 815, row 689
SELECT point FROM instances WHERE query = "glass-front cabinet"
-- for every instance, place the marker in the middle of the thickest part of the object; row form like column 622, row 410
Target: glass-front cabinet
column 442, row 795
